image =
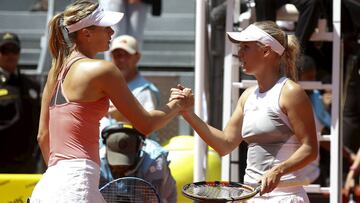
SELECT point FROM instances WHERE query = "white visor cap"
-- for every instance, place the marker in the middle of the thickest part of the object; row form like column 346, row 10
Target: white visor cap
column 98, row 17
column 253, row 33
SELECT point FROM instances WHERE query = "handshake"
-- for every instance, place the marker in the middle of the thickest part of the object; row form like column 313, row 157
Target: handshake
column 183, row 96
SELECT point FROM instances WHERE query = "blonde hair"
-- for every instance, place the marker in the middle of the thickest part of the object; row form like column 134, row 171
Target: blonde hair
column 289, row 42
column 59, row 39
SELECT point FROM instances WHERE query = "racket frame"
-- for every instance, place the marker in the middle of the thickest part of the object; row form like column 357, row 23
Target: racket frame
column 255, row 190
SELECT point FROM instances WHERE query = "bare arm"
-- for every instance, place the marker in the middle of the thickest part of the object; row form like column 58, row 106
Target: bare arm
column 43, row 132
column 114, row 85
column 354, row 170
column 222, row 141
column 296, row 105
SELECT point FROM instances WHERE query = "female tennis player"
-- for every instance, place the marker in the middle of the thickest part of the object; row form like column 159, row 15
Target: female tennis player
column 275, row 118
column 76, row 97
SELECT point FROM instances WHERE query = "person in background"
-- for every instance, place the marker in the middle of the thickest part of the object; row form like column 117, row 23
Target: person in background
column 126, row 55
column 127, row 153
column 19, row 111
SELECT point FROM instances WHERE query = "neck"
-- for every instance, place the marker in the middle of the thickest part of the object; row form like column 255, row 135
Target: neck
column 267, row 79
column 131, row 76
column 268, row 74
column 86, row 52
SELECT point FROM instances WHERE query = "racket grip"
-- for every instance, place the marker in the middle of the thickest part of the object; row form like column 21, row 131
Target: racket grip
column 258, row 189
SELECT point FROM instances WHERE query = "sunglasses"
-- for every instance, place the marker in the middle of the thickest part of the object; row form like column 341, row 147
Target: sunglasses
column 9, row 50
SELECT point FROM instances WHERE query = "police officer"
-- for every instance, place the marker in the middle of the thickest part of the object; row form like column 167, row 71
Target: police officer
column 19, row 111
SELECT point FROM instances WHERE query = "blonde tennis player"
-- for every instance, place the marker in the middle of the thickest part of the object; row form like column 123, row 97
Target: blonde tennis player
column 275, row 117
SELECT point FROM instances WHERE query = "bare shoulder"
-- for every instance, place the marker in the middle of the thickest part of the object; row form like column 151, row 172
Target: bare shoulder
column 246, row 94
column 292, row 95
column 96, row 66
column 292, row 89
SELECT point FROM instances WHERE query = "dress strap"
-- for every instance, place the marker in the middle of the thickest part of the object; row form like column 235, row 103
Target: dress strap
column 58, row 97
column 68, row 64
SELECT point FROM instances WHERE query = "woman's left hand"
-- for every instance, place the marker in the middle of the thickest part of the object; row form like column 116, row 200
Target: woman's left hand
column 184, row 96
column 270, row 180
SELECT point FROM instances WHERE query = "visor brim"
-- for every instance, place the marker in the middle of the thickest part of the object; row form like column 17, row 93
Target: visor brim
column 237, row 37
column 110, row 18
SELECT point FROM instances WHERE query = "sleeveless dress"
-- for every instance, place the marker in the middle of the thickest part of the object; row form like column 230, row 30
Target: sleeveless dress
column 271, row 141
column 73, row 173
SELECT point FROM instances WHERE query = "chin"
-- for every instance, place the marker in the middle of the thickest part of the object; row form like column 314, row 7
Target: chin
column 105, row 48
column 247, row 71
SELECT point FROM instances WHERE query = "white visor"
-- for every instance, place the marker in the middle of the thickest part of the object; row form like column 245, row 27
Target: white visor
column 253, row 33
column 98, row 17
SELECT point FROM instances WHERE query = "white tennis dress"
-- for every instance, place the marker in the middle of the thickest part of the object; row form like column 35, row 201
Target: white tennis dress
column 72, row 180
column 271, row 141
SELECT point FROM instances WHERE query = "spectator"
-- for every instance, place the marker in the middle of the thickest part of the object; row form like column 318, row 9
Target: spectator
column 19, row 110
column 135, row 12
column 136, row 157
column 125, row 55
column 309, row 12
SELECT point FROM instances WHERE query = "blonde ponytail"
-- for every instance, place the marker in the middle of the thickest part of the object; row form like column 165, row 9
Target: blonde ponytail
column 60, row 40
column 57, row 46
column 290, row 56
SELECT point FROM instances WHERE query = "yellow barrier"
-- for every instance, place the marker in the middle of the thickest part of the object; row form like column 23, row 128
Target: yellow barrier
column 16, row 188
column 181, row 156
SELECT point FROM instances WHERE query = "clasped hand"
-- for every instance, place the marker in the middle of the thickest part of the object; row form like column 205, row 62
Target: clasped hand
column 184, row 96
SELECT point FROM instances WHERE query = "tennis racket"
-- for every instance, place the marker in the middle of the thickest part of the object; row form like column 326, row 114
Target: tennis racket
column 129, row 190
column 218, row 191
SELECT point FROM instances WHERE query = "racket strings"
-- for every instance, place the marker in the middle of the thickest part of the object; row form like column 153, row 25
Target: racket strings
column 129, row 191
column 221, row 192
column 218, row 192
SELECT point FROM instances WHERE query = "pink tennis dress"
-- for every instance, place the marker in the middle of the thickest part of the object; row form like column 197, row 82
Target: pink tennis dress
column 73, row 173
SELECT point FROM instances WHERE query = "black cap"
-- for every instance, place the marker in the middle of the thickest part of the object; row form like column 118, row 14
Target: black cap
column 9, row 38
